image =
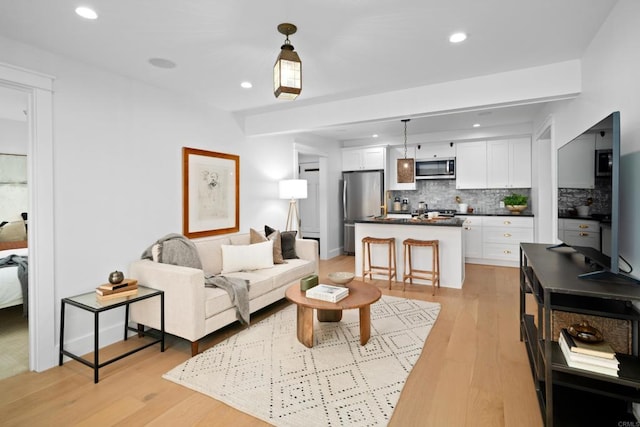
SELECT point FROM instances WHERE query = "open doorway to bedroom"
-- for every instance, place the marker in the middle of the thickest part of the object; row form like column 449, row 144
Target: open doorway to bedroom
column 14, row 202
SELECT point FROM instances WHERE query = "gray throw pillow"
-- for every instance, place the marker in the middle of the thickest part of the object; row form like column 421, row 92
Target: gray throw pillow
column 287, row 240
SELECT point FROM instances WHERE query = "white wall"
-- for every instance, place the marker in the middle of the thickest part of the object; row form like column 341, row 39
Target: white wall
column 610, row 70
column 13, row 136
column 117, row 174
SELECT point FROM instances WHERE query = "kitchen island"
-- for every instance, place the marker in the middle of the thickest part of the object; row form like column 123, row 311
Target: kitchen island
column 448, row 231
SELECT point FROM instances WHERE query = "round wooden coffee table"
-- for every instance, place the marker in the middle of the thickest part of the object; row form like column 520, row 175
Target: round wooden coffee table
column 361, row 296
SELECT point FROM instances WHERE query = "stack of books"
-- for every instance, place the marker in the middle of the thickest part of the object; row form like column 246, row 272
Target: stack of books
column 595, row 357
column 328, row 293
column 110, row 290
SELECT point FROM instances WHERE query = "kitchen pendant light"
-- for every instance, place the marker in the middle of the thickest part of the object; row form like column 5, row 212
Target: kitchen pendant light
column 406, row 167
column 287, row 71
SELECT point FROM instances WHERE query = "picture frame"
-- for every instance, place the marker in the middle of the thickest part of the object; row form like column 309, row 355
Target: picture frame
column 210, row 193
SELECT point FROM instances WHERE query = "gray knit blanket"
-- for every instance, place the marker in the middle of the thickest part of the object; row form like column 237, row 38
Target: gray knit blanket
column 176, row 249
column 23, row 276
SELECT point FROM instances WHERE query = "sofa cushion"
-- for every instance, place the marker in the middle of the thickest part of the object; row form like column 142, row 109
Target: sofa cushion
column 210, row 252
column 217, row 300
column 257, row 237
column 275, row 237
column 288, row 242
column 286, row 273
column 247, row 257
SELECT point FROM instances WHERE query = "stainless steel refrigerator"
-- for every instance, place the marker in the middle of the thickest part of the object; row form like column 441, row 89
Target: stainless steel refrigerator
column 362, row 197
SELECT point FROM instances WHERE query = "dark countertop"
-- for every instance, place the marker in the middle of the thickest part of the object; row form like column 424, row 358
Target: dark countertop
column 499, row 212
column 496, row 213
column 603, row 219
column 448, row 222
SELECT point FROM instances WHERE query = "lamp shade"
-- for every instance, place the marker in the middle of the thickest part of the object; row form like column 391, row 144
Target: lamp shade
column 287, row 71
column 287, row 74
column 293, row 188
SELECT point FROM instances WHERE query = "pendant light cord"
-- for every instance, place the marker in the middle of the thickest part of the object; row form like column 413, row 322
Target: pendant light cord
column 405, row 137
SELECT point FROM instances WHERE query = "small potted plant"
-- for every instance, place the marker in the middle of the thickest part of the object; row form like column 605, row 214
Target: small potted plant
column 516, row 203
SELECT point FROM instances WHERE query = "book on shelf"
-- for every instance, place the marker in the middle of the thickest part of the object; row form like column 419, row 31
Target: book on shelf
column 328, row 293
column 114, row 286
column 600, row 349
column 117, row 294
column 585, row 358
column 104, row 292
column 586, row 366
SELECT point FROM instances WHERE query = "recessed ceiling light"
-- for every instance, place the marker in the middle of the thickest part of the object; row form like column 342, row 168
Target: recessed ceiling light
column 246, row 85
column 86, row 13
column 375, row 135
column 457, row 37
column 476, row 125
column 162, row 63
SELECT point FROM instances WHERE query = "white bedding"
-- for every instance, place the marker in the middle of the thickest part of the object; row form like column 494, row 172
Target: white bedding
column 10, row 290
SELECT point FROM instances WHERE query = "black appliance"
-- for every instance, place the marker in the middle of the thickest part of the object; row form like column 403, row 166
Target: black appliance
column 604, row 162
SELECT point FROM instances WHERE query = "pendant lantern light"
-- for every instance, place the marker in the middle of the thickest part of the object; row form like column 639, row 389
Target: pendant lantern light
column 406, row 167
column 287, row 71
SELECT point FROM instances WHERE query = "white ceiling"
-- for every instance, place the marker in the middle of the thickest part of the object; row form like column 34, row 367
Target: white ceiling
column 348, row 47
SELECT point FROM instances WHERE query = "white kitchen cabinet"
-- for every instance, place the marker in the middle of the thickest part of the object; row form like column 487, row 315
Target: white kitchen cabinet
column 369, row 158
column 604, row 140
column 576, row 163
column 509, row 163
column 472, row 232
column 436, row 150
column 579, row 232
column 471, row 165
column 395, row 153
column 501, row 238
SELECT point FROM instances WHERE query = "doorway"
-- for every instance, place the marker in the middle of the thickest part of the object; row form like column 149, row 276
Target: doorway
column 14, row 137
column 315, row 206
column 38, row 88
column 310, row 207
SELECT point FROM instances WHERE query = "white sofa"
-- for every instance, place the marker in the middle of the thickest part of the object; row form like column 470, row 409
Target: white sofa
column 193, row 311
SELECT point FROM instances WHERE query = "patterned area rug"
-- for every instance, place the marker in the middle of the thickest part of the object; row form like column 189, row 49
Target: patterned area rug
column 264, row 371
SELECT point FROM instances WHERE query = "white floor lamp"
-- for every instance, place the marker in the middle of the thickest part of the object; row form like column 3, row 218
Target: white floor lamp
column 293, row 189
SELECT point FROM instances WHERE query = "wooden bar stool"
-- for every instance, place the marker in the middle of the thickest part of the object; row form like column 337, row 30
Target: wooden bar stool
column 411, row 273
column 390, row 269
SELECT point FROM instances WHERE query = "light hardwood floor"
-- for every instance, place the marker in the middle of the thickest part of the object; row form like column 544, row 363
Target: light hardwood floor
column 473, row 371
column 14, row 342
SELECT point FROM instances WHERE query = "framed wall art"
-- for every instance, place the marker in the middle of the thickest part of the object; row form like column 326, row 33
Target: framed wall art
column 210, row 193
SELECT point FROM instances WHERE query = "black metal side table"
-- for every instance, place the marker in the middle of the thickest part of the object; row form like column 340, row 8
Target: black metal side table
column 90, row 302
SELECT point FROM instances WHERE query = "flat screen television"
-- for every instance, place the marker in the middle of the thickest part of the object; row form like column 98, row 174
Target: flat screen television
column 589, row 191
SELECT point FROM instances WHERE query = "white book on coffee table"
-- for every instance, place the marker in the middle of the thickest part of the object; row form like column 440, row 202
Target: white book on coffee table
column 327, row 293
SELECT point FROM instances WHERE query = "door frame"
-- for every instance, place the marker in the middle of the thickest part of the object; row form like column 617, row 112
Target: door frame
column 323, row 180
column 42, row 307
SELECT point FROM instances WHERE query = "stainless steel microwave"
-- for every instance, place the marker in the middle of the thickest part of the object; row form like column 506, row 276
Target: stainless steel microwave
column 436, row 168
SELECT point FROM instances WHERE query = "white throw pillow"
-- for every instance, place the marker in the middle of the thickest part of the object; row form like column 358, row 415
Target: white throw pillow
column 247, row 257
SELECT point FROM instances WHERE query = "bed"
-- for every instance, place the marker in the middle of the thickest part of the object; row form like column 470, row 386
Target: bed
column 10, row 289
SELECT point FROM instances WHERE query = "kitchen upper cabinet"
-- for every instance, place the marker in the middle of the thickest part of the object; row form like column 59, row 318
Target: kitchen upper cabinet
column 354, row 159
column 435, row 150
column 576, row 163
column 471, row 165
column 509, row 163
column 395, row 153
column 604, row 140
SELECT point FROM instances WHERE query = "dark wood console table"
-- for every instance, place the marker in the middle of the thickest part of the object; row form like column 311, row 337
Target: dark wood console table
column 570, row 396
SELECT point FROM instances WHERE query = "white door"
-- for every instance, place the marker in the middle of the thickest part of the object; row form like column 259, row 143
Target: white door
column 309, row 207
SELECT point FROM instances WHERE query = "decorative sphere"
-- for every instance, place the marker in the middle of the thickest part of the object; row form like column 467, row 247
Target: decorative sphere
column 116, row 277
